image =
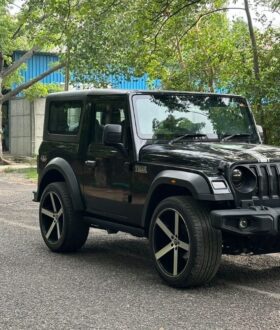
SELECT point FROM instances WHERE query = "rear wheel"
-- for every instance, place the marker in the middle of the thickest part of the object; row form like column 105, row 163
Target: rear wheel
column 185, row 248
column 61, row 227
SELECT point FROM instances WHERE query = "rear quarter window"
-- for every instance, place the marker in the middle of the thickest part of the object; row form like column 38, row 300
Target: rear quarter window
column 65, row 117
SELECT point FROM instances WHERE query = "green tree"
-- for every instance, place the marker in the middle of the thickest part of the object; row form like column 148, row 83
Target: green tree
column 88, row 37
column 196, row 47
column 26, row 30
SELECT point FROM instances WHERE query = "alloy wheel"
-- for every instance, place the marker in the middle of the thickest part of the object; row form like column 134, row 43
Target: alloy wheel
column 52, row 217
column 171, row 242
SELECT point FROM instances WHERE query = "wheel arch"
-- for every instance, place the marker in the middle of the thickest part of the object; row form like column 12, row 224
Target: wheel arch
column 59, row 170
column 173, row 183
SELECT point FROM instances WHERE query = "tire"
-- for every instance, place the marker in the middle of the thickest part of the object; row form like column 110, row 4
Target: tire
column 61, row 227
column 192, row 257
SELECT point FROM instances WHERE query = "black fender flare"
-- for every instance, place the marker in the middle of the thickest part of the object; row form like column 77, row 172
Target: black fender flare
column 195, row 183
column 63, row 167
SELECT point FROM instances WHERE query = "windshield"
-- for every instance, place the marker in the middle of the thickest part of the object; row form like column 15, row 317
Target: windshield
column 167, row 116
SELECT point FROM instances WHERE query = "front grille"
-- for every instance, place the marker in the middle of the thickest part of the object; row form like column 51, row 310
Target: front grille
column 268, row 180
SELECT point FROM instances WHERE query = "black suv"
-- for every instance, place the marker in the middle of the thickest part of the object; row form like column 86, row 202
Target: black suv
column 186, row 170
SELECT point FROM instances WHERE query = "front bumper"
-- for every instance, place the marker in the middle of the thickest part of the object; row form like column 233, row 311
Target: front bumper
column 260, row 220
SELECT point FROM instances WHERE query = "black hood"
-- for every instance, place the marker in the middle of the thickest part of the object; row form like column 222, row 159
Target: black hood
column 207, row 156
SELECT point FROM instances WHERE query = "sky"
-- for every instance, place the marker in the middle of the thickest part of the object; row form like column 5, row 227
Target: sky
column 273, row 18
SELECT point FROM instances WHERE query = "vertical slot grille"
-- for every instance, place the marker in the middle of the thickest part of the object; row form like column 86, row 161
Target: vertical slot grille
column 268, row 180
column 254, row 170
column 265, row 181
column 275, row 180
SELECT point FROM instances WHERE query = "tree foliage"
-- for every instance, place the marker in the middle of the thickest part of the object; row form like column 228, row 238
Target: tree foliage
column 41, row 90
column 188, row 45
column 86, row 35
column 198, row 48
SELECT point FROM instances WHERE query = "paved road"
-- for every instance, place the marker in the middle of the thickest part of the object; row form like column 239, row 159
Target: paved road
column 111, row 284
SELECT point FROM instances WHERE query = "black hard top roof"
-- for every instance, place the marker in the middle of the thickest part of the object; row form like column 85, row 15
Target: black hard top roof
column 109, row 91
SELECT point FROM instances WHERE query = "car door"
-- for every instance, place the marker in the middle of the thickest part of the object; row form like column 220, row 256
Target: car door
column 107, row 174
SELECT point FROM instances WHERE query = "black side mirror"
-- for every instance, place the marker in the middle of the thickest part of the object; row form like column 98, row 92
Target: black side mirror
column 112, row 134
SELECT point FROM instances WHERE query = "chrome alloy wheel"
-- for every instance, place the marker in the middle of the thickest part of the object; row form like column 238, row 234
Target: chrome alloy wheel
column 171, row 243
column 52, row 217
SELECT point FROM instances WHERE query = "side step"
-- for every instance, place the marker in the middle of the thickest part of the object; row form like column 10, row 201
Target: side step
column 114, row 226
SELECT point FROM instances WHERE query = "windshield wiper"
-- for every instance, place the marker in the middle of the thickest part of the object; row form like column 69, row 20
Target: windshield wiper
column 185, row 136
column 232, row 136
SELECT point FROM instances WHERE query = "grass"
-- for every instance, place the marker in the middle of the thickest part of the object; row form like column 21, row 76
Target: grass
column 29, row 173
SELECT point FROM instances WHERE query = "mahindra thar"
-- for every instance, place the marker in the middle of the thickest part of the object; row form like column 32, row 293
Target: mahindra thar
column 186, row 170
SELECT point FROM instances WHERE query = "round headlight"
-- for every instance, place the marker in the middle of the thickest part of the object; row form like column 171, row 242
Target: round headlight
column 237, row 176
column 243, row 179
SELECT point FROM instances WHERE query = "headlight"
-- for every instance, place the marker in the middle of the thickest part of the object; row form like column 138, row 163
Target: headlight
column 237, row 176
column 243, row 179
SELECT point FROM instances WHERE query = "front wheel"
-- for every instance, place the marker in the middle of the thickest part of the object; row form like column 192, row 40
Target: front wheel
column 185, row 248
column 61, row 227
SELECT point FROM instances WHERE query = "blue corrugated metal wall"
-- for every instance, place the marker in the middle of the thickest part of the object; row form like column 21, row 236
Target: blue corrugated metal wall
column 38, row 64
column 134, row 83
column 41, row 62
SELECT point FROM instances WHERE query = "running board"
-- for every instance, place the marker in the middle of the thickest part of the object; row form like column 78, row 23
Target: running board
column 104, row 224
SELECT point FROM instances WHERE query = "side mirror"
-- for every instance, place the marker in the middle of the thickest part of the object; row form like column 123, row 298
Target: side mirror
column 112, row 135
column 260, row 131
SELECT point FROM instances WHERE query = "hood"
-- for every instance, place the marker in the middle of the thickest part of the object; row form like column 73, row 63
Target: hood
column 207, row 156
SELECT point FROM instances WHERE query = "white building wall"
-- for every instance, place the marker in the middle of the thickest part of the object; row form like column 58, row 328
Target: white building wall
column 26, row 126
column 20, row 127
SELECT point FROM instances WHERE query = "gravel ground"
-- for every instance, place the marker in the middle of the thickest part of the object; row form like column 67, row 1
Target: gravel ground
column 111, row 283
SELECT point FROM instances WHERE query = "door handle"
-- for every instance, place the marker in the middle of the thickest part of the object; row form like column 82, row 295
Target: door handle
column 90, row 163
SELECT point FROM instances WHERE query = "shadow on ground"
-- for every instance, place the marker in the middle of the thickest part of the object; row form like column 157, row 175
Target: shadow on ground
column 125, row 256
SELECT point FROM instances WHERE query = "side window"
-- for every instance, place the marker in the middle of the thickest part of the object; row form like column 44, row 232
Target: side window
column 109, row 111
column 64, row 117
